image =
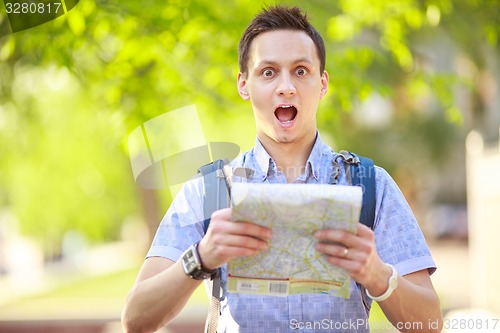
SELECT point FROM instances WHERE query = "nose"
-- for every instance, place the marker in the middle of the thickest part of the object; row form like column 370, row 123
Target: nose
column 285, row 85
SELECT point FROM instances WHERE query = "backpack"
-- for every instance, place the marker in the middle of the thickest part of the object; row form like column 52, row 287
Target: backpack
column 217, row 178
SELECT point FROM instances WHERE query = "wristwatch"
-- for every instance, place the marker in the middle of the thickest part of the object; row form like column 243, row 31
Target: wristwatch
column 191, row 263
column 393, row 283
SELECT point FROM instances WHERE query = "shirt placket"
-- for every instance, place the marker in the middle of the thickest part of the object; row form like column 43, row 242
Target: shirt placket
column 296, row 313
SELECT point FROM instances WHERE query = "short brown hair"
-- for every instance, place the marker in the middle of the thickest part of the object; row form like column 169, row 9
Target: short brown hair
column 279, row 18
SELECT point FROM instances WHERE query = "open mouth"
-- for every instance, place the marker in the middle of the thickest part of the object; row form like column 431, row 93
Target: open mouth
column 285, row 114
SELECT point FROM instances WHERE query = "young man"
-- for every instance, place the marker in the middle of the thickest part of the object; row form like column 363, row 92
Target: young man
column 282, row 61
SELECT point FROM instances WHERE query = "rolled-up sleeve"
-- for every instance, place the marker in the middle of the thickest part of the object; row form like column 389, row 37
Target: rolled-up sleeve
column 398, row 237
column 182, row 224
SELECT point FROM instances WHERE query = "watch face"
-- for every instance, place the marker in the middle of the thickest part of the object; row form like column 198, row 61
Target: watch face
column 190, row 261
column 191, row 264
column 394, row 282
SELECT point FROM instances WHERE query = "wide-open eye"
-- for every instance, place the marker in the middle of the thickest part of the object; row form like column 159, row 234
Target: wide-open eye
column 268, row 72
column 301, row 71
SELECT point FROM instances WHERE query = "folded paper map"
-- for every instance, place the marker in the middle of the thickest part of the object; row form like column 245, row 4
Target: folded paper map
column 291, row 265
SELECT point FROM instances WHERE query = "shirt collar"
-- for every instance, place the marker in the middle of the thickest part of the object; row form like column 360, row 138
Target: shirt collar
column 313, row 163
column 266, row 163
column 264, row 160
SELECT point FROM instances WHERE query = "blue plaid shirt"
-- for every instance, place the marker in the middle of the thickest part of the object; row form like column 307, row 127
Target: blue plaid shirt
column 398, row 239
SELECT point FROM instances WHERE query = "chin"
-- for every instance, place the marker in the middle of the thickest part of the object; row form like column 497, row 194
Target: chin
column 285, row 138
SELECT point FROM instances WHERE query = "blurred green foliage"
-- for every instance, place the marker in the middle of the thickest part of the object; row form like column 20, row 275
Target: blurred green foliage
column 72, row 89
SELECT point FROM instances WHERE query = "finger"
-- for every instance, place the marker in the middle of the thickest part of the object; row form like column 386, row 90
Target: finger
column 351, row 266
column 365, row 232
column 220, row 226
column 239, row 227
column 340, row 252
column 231, row 252
column 346, row 238
column 342, row 237
column 250, row 229
column 335, row 250
column 216, row 254
column 246, row 242
column 224, row 213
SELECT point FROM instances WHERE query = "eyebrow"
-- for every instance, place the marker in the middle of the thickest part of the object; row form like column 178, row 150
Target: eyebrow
column 275, row 63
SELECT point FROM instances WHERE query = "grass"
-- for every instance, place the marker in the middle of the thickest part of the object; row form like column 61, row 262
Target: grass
column 88, row 297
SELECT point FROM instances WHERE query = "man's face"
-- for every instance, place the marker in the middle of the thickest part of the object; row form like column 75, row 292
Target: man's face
column 284, row 85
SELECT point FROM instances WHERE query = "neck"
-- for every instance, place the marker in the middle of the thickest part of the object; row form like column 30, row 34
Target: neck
column 290, row 158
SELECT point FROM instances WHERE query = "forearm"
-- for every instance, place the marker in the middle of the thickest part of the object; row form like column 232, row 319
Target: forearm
column 155, row 301
column 413, row 307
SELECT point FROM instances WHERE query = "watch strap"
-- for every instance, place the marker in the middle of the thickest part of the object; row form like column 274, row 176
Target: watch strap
column 392, row 284
column 200, row 273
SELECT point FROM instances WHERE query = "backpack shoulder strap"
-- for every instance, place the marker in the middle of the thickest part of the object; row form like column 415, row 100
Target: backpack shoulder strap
column 215, row 190
column 215, row 196
column 363, row 174
column 217, row 180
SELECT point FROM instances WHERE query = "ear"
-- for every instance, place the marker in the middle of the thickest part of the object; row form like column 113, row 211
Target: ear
column 242, row 87
column 324, row 84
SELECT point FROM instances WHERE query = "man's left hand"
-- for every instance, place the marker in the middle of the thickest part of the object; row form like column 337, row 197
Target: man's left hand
column 357, row 254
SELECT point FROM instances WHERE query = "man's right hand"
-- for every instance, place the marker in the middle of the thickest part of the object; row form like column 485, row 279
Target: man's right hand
column 226, row 239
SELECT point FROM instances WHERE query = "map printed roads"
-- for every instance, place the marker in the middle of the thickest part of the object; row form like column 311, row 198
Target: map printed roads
column 294, row 211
